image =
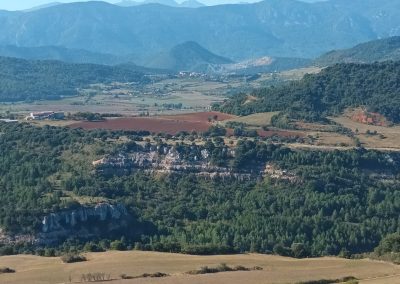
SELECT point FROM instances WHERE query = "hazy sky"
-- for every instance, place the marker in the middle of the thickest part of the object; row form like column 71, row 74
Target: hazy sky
column 25, row 4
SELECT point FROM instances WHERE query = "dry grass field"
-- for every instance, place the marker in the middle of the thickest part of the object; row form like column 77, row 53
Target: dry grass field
column 40, row 270
column 390, row 139
column 258, row 119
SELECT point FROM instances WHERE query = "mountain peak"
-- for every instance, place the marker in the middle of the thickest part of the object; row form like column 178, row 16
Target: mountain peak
column 192, row 4
column 188, row 56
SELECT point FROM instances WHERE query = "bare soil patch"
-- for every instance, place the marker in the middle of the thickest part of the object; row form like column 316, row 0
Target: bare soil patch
column 171, row 124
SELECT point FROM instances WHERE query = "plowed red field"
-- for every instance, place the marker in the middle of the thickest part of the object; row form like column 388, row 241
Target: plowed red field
column 170, row 124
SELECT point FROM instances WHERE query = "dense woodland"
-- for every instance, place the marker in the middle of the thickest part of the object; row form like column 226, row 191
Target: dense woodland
column 22, row 80
column 374, row 86
column 342, row 202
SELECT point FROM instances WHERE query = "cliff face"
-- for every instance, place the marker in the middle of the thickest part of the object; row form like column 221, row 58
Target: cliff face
column 71, row 219
column 166, row 159
column 82, row 222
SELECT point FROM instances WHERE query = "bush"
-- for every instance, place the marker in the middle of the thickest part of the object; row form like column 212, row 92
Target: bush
column 71, row 258
column 348, row 279
column 117, row 245
column 92, row 247
column 6, row 270
column 389, row 244
column 154, row 275
column 221, row 268
column 124, row 276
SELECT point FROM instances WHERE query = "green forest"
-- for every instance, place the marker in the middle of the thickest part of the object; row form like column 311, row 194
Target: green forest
column 27, row 80
column 374, row 86
column 341, row 203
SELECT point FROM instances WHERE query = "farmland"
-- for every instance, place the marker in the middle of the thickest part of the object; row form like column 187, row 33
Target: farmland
column 163, row 95
column 258, row 119
column 171, row 124
column 40, row 270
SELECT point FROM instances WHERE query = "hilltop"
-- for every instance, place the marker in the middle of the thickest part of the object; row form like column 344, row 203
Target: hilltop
column 188, row 56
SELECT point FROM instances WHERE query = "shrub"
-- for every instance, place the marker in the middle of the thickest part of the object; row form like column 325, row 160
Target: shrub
column 124, row 276
column 6, row 270
column 117, row 245
column 71, row 258
column 154, row 275
column 348, row 279
column 221, row 268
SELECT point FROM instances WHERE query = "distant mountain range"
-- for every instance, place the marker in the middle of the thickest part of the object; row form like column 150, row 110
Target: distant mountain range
column 373, row 51
column 62, row 54
column 191, row 56
column 275, row 28
column 130, row 3
column 171, row 3
column 188, row 56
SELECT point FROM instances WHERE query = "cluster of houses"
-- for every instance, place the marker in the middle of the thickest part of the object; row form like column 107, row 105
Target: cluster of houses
column 45, row 115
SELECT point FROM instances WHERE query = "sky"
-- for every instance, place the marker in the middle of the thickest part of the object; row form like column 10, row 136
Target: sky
column 26, row 4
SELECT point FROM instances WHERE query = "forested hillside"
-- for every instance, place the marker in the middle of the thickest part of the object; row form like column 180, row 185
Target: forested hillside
column 378, row 50
column 338, row 202
column 32, row 80
column 374, row 86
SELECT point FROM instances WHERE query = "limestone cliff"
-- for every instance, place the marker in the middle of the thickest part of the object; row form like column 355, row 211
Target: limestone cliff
column 166, row 159
column 71, row 219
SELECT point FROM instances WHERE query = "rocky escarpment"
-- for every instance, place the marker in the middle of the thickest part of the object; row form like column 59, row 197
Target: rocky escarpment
column 71, row 219
column 81, row 222
column 84, row 222
column 167, row 159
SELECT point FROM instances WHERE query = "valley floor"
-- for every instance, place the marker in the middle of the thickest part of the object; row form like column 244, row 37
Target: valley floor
column 276, row 269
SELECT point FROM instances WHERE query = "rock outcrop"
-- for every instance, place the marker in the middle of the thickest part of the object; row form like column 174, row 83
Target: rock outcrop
column 70, row 219
column 167, row 160
column 82, row 222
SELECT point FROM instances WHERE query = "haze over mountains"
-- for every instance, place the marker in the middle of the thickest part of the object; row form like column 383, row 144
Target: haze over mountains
column 285, row 28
